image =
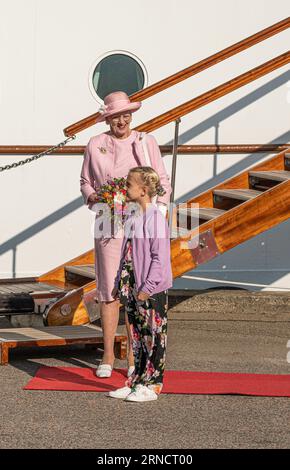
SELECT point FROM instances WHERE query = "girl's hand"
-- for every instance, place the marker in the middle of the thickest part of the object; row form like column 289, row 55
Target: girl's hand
column 142, row 296
column 115, row 293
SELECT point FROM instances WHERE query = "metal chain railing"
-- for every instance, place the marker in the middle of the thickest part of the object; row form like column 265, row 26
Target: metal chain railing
column 35, row 157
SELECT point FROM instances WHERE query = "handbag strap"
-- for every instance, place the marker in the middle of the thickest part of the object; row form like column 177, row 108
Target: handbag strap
column 147, row 158
column 145, row 149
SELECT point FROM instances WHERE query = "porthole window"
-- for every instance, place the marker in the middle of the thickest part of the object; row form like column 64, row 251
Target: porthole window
column 117, row 71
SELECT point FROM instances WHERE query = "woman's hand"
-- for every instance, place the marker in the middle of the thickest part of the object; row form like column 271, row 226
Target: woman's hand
column 115, row 293
column 93, row 197
column 143, row 296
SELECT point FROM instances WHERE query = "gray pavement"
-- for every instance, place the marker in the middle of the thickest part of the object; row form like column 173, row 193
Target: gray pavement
column 200, row 341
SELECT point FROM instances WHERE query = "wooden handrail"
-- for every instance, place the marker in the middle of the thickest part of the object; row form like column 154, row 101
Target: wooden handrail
column 215, row 93
column 165, row 149
column 190, row 71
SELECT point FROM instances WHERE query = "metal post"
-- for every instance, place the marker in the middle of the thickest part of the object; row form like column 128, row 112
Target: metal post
column 173, row 172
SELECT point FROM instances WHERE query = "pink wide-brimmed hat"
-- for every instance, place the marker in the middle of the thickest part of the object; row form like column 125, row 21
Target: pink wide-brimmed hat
column 116, row 102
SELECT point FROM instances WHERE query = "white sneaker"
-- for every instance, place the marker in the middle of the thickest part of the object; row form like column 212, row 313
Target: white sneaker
column 104, row 371
column 120, row 392
column 130, row 371
column 142, row 393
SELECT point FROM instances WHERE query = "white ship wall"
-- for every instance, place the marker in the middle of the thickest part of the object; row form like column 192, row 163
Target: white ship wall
column 47, row 49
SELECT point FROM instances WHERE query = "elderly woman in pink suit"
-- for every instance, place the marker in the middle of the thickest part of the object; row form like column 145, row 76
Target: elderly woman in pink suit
column 111, row 155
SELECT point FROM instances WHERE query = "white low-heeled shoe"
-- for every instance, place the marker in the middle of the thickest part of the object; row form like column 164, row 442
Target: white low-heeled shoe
column 130, row 371
column 104, row 371
column 120, row 393
column 141, row 393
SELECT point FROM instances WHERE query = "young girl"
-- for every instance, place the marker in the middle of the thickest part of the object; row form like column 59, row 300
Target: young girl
column 141, row 284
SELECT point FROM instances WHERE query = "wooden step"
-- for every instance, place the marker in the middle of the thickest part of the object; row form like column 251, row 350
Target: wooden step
column 227, row 199
column 204, row 213
column 55, row 336
column 270, row 175
column 28, row 287
column 85, row 270
column 21, row 303
column 240, row 194
column 20, row 297
column 177, row 232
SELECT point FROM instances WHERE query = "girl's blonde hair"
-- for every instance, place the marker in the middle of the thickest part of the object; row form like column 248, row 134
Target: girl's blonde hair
column 150, row 179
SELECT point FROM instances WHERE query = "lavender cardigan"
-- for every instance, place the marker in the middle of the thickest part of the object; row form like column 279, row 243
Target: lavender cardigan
column 150, row 251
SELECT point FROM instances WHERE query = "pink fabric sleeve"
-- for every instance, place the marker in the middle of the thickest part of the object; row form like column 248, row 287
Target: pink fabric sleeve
column 87, row 180
column 156, row 157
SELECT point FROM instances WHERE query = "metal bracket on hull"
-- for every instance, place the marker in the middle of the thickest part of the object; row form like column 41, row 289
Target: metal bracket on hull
column 91, row 305
column 205, row 247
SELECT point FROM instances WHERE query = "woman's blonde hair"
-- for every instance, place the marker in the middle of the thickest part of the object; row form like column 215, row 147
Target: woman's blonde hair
column 150, row 179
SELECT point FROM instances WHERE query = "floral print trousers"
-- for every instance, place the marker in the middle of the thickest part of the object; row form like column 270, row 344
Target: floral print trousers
column 148, row 323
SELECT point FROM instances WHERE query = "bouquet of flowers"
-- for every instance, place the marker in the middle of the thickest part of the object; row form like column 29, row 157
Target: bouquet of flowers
column 113, row 194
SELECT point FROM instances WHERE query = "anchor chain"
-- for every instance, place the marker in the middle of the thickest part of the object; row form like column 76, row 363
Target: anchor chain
column 38, row 155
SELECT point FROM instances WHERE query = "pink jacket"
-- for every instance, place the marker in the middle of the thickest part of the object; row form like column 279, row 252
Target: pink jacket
column 97, row 166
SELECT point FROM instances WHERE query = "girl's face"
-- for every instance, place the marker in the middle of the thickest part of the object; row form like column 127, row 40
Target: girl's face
column 135, row 190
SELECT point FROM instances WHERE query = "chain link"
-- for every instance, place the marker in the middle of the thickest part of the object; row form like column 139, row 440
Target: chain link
column 35, row 157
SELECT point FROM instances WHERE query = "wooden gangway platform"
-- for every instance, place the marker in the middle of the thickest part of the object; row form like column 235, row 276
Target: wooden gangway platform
column 55, row 336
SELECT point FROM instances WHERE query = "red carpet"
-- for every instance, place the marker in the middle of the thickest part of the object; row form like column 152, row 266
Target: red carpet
column 186, row 382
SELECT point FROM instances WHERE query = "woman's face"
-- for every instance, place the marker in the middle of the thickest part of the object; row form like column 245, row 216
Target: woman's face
column 120, row 124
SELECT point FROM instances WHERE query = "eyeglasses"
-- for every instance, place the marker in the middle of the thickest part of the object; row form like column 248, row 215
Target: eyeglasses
column 126, row 117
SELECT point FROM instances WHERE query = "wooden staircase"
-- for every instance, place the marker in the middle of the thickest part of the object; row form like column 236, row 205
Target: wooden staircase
column 224, row 216
column 249, row 203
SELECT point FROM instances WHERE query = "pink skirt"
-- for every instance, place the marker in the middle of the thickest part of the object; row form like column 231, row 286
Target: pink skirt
column 107, row 261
